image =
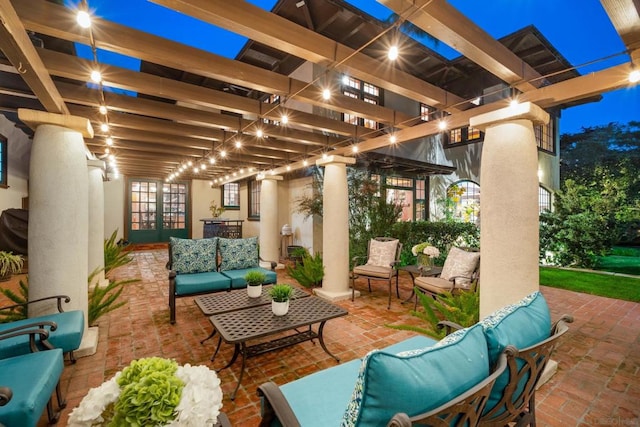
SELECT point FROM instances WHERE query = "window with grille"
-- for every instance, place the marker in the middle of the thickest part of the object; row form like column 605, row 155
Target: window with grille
column 174, row 206
column 3, row 161
column 231, row 195
column 544, row 199
column 143, row 205
column 425, row 112
column 465, row 197
column 357, row 89
column 464, row 135
column 544, row 136
column 254, row 199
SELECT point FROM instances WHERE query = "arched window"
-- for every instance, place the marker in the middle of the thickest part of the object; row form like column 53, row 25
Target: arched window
column 464, row 198
column 544, row 199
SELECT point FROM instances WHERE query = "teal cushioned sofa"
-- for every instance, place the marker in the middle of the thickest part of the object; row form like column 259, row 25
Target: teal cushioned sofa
column 202, row 266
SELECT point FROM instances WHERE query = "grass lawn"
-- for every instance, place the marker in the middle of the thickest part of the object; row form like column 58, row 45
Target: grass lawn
column 621, row 260
column 624, row 288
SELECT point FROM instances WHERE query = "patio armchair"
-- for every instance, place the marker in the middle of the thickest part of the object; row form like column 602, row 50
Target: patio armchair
column 460, row 272
column 383, row 255
column 29, row 380
column 64, row 330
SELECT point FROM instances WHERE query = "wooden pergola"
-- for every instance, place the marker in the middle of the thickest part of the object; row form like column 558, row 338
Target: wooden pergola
column 183, row 113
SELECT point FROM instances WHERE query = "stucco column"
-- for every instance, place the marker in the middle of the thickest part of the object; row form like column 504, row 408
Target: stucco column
column 58, row 210
column 269, row 231
column 335, row 230
column 509, row 233
column 96, row 221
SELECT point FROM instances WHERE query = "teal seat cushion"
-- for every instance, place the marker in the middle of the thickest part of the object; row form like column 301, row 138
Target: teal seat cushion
column 32, row 377
column 237, row 254
column 319, row 399
column 193, row 255
column 197, row 283
column 67, row 335
column 522, row 325
column 237, row 276
column 417, row 381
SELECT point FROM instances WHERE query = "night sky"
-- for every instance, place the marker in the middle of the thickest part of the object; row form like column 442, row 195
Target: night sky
column 578, row 29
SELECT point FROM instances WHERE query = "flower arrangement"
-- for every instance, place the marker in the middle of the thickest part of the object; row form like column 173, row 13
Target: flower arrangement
column 427, row 249
column 215, row 210
column 153, row 391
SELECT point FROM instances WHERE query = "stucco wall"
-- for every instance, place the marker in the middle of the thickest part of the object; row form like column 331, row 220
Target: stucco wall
column 19, row 149
column 114, row 207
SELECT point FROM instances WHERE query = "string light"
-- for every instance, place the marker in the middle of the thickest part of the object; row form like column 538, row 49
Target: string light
column 259, row 133
column 238, row 143
column 393, row 139
column 83, row 19
column 103, row 109
column 96, row 76
column 326, row 94
column 305, row 162
column 223, row 153
column 104, row 127
column 442, row 125
column 109, row 141
column 284, row 119
column 393, row 53
column 634, row 76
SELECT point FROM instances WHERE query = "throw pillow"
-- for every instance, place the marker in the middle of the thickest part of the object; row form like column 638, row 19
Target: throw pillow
column 460, row 264
column 416, row 381
column 193, row 255
column 382, row 254
column 239, row 253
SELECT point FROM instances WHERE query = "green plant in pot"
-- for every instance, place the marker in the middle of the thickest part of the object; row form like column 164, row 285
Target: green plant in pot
column 10, row 264
column 280, row 295
column 309, row 272
column 254, row 279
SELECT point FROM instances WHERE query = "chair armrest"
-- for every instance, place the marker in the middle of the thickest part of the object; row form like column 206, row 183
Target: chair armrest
column 5, row 395
column 67, row 299
column 30, row 330
column 273, row 404
column 273, row 263
column 223, row 420
column 355, row 259
column 448, row 326
column 172, row 274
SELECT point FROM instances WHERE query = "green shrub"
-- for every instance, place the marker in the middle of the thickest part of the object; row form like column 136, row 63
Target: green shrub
column 115, row 255
column 309, row 272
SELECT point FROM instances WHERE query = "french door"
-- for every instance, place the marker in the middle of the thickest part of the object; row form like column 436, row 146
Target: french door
column 156, row 210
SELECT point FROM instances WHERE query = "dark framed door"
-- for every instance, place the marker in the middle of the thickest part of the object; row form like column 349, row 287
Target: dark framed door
column 156, row 210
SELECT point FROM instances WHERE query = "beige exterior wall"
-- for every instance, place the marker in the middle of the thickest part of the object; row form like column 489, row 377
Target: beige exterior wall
column 19, row 148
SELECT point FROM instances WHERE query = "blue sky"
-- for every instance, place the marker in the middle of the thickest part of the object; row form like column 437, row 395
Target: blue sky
column 578, row 29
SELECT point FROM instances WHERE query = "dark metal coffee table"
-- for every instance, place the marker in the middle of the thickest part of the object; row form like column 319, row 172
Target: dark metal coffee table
column 239, row 326
column 225, row 302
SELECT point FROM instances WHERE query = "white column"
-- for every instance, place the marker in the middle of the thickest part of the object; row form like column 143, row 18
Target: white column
column 335, row 230
column 58, row 210
column 509, row 208
column 269, row 231
column 96, row 221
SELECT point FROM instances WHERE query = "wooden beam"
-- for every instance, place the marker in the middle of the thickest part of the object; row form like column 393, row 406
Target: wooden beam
column 18, row 48
column 51, row 19
column 273, row 30
column 446, row 23
column 625, row 17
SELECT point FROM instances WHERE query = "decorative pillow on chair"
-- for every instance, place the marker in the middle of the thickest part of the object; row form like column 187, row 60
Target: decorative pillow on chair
column 239, row 253
column 193, row 255
column 382, row 254
column 460, row 264
column 417, row 381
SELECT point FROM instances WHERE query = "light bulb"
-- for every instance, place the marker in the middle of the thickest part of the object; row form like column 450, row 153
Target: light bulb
column 241, row 170
column 96, row 76
column 324, row 156
column 354, row 148
column 288, row 167
column 212, row 160
column 189, row 163
column 305, row 162
column 223, row 153
column 235, row 174
column 106, row 150
column 442, row 125
column 203, row 166
column 196, row 170
column 109, row 141
column 104, row 127
column 226, row 177
column 393, row 53
column 634, row 76
column 259, row 133
column 238, row 143
column 326, row 94
column 83, row 19
column 513, row 102
column 345, row 80
column 285, row 119
column 102, row 109
column 393, row 139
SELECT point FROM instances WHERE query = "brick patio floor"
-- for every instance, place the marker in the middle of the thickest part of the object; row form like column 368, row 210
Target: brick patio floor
column 597, row 383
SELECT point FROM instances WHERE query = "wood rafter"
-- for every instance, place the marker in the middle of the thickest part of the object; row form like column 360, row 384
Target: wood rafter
column 625, row 17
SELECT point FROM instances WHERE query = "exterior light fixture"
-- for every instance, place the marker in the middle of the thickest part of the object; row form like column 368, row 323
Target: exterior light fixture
column 393, row 53
column 326, row 94
column 259, row 133
column 305, row 162
column 513, row 102
column 104, row 127
column 83, row 19
column 288, row 167
column 96, row 77
column 634, row 76
column 442, row 125
column 354, row 148
column 324, row 156
column 393, row 139
column 109, row 141
column 476, row 101
column 102, row 109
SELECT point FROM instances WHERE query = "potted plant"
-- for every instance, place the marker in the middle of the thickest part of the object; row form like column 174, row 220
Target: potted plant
column 425, row 253
column 280, row 295
column 215, row 210
column 254, row 279
column 10, row 264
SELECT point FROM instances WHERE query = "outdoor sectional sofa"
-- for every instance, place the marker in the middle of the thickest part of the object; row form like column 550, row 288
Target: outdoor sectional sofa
column 418, row 375
column 202, row 266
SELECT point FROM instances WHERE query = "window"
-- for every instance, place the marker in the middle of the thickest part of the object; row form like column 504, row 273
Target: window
column 544, row 199
column 3, row 162
column 254, row 199
column 272, row 99
column 421, row 200
column 425, row 112
column 465, row 135
column 465, row 200
column 174, row 206
column 544, row 136
column 231, row 195
column 143, row 205
column 367, row 92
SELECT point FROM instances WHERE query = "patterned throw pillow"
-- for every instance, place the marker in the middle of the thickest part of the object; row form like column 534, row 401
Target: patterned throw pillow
column 193, row 255
column 239, row 253
column 460, row 264
column 382, row 254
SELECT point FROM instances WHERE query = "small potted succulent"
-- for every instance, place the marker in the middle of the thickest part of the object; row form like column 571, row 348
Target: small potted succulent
column 254, row 279
column 10, row 264
column 280, row 296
